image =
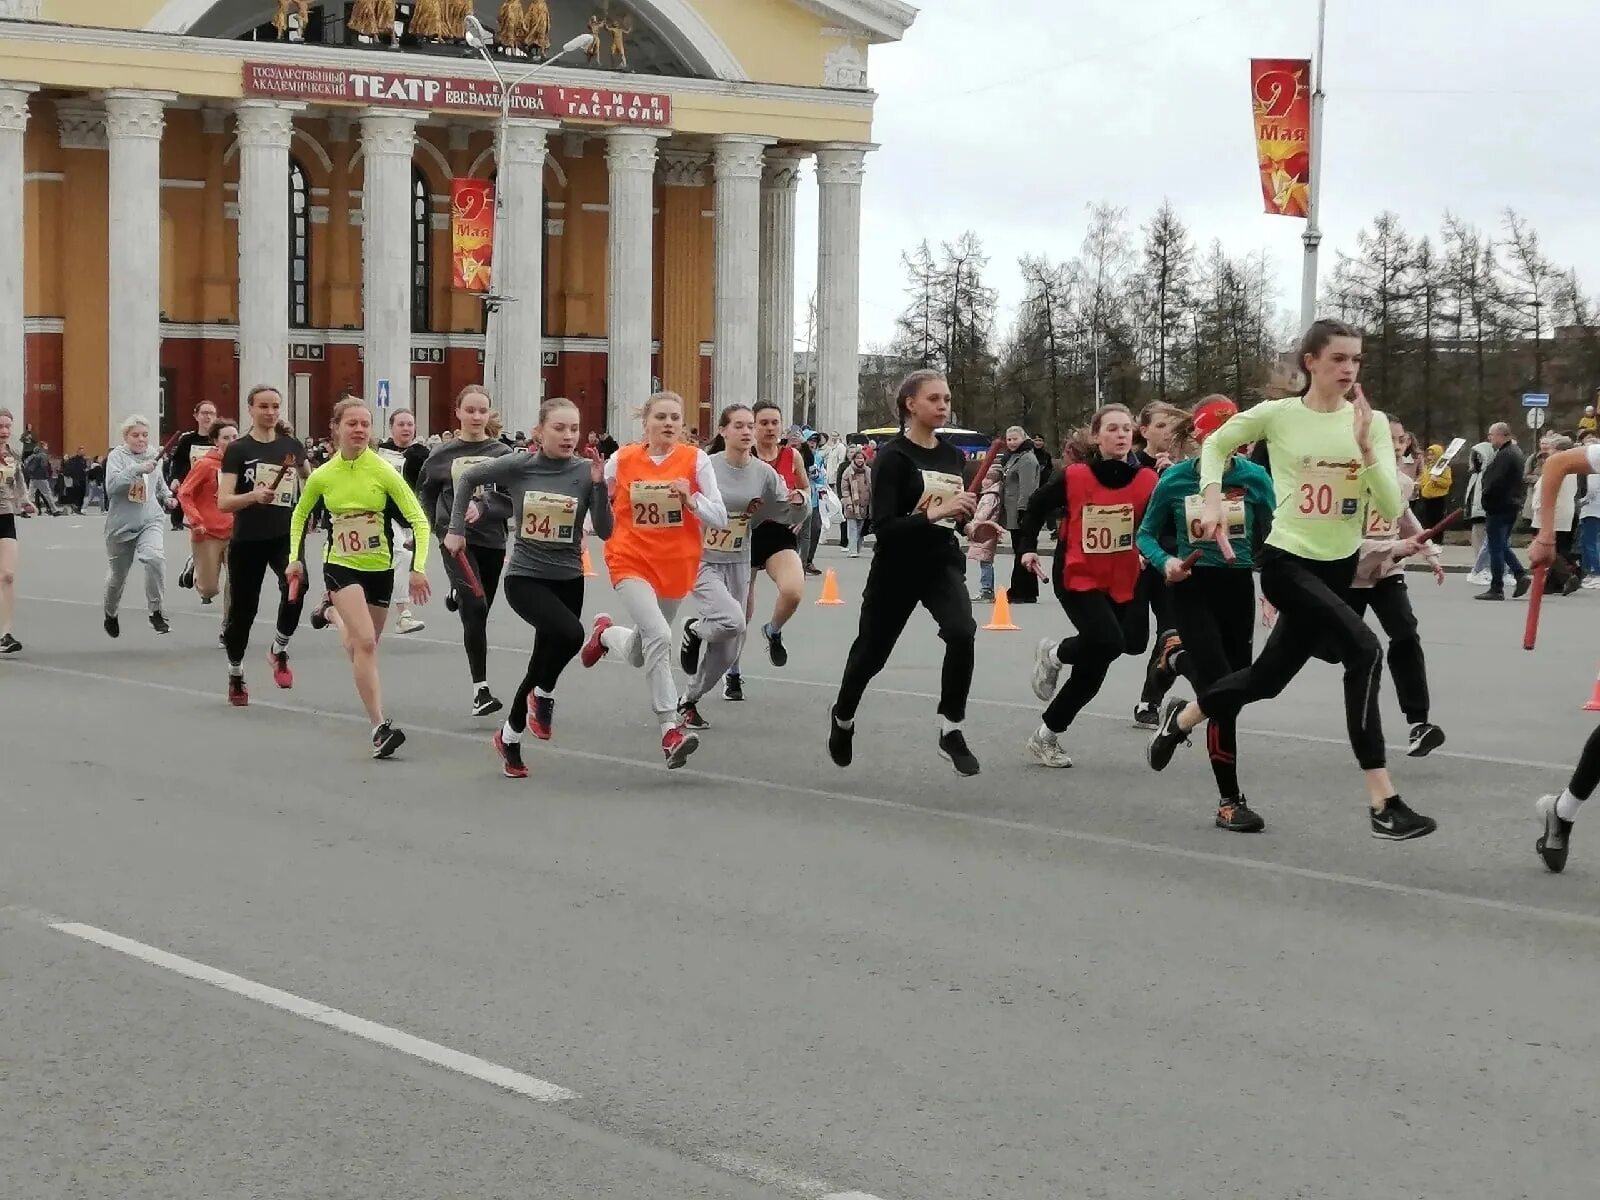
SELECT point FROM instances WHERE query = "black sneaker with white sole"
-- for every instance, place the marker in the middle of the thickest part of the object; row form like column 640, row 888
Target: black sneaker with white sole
column 1168, row 737
column 1425, row 739
column 158, row 622
column 953, row 749
column 186, row 576
column 10, row 645
column 689, row 716
column 1556, row 838
column 113, row 626
column 689, row 649
column 1146, row 715
column 775, row 650
column 841, row 741
column 1395, row 822
column 733, row 687
column 386, row 739
column 484, row 703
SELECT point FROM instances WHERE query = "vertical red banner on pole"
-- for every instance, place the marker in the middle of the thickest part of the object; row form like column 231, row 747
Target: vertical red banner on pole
column 1280, row 91
column 471, row 233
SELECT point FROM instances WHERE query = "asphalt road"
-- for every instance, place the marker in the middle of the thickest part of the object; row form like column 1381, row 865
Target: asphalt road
column 761, row 976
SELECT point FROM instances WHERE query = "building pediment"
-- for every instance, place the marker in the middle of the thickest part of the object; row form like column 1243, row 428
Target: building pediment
column 879, row 20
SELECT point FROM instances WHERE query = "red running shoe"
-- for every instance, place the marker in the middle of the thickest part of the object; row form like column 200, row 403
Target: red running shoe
column 594, row 649
column 278, row 660
column 541, row 715
column 237, row 695
column 677, row 745
column 510, row 757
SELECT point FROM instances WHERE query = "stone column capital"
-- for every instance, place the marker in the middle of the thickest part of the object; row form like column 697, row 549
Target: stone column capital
column 80, row 126
column 133, row 114
column 781, row 168
column 14, row 106
column 684, row 166
column 738, row 157
column 389, row 133
column 527, row 142
column 842, row 163
column 265, row 123
column 633, row 149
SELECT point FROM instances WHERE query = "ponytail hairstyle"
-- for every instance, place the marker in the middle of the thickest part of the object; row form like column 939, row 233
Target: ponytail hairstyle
column 719, row 443
column 1083, row 438
column 910, row 387
column 1182, row 433
column 493, row 427
column 1316, row 341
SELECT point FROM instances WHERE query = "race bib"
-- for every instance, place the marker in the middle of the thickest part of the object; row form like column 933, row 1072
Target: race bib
column 731, row 539
column 655, row 506
column 8, row 475
column 937, row 488
column 1232, row 517
column 197, row 451
column 1378, row 527
column 357, row 533
column 1107, row 528
column 395, row 458
column 286, row 490
column 136, row 491
column 548, row 517
column 1329, row 491
column 466, row 463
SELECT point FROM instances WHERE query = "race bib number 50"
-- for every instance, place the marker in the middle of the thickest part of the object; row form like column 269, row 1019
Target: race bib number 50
column 548, row 517
column 656, row 506
column 1107, row 528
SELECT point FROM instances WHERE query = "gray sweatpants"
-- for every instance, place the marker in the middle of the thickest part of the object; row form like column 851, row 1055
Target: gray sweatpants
column 648, row 643
column 146, row 547
column 718, row 601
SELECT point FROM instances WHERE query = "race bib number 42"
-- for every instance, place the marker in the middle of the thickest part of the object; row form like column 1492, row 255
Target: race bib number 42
column 357, row 533
column 731, row 539
column 1329, row 491
column 655, row 506
column 548, row 517
column 937, row 487
column 1107, row 528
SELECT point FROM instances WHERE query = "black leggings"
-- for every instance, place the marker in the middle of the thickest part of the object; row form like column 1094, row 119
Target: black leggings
column 247, row 570
column 487, row 562
column 1106, row 631
column 1586, row 775
column 1161, row 609
column 1407, row 666
column 893, row 590
column 1313, row 613
column 1215, row 613
column 554, row 607
column 1024, row 587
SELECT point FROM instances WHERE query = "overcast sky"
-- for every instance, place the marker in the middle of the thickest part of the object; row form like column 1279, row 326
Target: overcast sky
column 1011, row 130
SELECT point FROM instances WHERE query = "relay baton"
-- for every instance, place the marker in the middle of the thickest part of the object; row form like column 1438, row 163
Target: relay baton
column 1432, row 535
column 468, row 575
column 1194, row 557
column 1223, row 544
column 1530, row 631
column 995, row 447
column 288, row 461
column 294, row 584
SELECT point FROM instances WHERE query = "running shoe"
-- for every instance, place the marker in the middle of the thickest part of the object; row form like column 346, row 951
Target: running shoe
column 238, row 696
column 541, row 716
column 1552, row 844
column 186, row 576
column 676, row 746
column 812, row 572
column 594, row 649
column 841, row 741
column 1394, row 822
column 1167, row 660
column 1572, row 584
column 278, row 660
column 1146, row 714
column 205, row 599
column 1046, row 670
column 1524, row 582
column 9, row 645
column 1425, row 739
column 1236, row 816
column 386, row 739
column 689, row 649
column 510, row 753
column 775, row 650
column 450, row 603
column 409, row 622
column 1491, row 594
column 953, row 749
column 689, row 716
column 1168, row 737
column 158, row 622
column 319, row 615
column 733, row 687
column 484, row 703
column 113, row 625
column 1049, row 753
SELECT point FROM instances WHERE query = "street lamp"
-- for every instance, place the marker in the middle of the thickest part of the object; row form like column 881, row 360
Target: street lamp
column 478, row 40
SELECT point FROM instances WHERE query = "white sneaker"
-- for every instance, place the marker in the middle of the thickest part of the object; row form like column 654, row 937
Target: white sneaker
column 409, row 623
column 1049, row 753
column 1478, row 578
column 1591, row 583
column 1046, row 670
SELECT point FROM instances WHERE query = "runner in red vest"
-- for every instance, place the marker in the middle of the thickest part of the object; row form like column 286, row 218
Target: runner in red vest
column 1096, row 577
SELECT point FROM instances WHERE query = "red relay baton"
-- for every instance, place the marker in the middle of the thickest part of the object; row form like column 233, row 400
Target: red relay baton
column 1432, row 535
column 1530, row 631
column 468, row 575
column 976, row 485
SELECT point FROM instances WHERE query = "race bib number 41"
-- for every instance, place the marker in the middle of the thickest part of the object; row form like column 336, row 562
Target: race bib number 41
column 656, row 506
column 1107, row 528
column 357, row 533
column 548, row 517
column 1329, row 491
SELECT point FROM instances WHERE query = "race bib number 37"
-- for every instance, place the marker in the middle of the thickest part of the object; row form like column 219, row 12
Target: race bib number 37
column 655, row 506
column 1329, row 491
column 1107, row 528
column 357, row 533
column 731, row 539
column 548, row 517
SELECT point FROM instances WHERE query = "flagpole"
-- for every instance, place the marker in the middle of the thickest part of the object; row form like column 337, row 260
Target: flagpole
column 1313, row 234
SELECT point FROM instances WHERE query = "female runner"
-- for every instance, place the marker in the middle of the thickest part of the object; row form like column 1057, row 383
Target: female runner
column 1329, row 454
column 1096, row 575
column 209, row 527
column 552, row 491
column 487, row 514
column 402, row 451
column 137, row 501
column 1214, row 602
column 749, row 488
column 663, row 494
column 916, row 487
column 356, row 487
column 1158, row 446
column 13, row 500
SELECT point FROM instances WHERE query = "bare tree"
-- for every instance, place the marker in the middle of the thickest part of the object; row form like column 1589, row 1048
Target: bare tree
column 1165, row 281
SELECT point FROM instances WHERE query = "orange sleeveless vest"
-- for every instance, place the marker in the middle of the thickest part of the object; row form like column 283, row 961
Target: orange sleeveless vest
column 656, row 535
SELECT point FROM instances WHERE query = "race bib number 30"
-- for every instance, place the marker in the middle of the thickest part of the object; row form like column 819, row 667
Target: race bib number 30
column 731, row 539
column 548, row 517
column 1107, row 528
column 655, row 506
column 937, row 487
column 1329, row 491
column 1232, row 517
column 357, row 533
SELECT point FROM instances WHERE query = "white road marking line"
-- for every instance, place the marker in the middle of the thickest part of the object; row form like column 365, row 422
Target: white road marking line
column 768, row 1175
column 749, row 786
column 311, row 1010
column 1014, row 705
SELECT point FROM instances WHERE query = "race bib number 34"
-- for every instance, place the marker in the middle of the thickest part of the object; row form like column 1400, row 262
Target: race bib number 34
column 1107, row 528
column 1329, row 491
column 357, row 533
column 731, row 539
column 655, row 506
column 548, row 517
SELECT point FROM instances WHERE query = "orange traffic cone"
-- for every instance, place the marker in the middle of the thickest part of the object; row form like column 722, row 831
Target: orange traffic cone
column 830, row 589
column 588, row 567
column 1594, row 699
column 1000, row 619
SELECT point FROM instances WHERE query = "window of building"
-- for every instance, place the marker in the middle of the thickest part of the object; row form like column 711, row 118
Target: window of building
column 299, row 247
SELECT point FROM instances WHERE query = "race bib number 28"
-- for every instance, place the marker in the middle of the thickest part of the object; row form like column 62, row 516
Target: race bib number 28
column 655, row 506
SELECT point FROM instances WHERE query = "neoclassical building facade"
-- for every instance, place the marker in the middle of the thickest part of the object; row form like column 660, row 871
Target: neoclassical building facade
column 192, row 206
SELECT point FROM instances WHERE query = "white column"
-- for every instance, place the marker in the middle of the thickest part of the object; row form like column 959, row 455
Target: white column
column 134, row 121
column 13, row 342
column 387, row 142
column 264, row 130
column 775, row 374
column 839, row 170
column 631, row 160
column 738, row 163
column 519, row 274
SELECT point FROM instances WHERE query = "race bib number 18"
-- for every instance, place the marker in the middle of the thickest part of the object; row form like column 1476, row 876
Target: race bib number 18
column 357, row 533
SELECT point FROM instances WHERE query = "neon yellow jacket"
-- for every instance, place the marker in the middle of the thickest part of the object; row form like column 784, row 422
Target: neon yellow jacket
column 356, row 492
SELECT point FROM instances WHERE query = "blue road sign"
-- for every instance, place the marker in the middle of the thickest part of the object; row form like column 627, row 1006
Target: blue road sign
column 1535, row 400
column 383, row 393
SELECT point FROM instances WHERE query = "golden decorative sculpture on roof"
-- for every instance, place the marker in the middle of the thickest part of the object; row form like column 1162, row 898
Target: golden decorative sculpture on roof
column 536, row 28
column 619, row 31
column 508, row 27
column 373, row 20
column 295, row 32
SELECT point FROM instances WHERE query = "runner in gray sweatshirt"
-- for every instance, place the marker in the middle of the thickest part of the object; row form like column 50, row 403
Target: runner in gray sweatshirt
column 137, row 497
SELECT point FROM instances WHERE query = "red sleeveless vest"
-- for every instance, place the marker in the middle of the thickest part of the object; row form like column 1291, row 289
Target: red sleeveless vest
column 1098, row 534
